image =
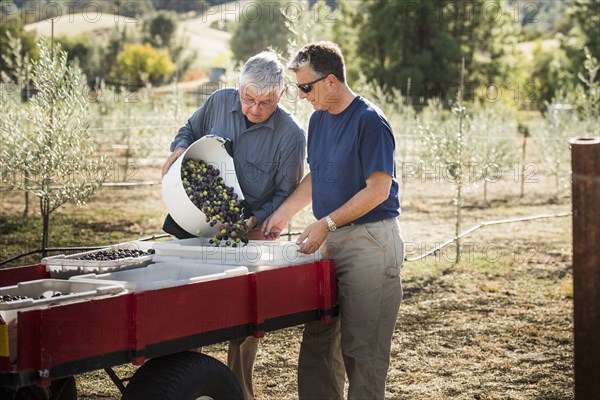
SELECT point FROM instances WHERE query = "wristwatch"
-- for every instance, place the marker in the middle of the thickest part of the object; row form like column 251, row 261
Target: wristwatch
column 330, row 224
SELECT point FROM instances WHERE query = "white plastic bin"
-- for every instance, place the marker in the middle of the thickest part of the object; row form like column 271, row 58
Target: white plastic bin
column 210, row 149
column 165, row 274
column 256, row 252
column 64, row 266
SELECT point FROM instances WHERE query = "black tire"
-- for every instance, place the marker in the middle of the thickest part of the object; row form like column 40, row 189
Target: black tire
column 64, row 389
column 183, row 376
column 60, row 389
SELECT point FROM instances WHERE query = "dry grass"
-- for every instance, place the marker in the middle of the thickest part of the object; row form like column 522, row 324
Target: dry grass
column 498, row 325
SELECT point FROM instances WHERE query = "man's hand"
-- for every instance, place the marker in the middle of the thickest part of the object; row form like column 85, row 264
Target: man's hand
column 174, row 156
column 313, row 237
column 251, row 222
column 274, row 224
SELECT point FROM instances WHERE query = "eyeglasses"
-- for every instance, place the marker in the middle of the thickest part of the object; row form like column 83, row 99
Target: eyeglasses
column 261, row 104
column 308, row 86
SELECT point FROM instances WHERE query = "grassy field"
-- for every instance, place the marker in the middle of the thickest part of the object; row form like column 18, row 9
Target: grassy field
column 497, row 325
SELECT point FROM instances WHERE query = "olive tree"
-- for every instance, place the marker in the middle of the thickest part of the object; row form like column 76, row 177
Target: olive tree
column 570, row 114
column 54, row 150
column 449, row 147
column 15, row 84
column 493, row 127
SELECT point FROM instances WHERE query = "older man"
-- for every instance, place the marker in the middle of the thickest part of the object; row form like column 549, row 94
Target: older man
column 268, row 154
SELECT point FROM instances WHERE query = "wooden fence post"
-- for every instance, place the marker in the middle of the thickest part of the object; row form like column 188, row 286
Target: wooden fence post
column 585, row 161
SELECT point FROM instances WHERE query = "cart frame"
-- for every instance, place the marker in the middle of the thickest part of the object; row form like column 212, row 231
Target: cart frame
column 98, row 333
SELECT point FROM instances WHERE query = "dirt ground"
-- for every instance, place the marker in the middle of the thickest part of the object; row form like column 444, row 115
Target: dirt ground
column 497, row 325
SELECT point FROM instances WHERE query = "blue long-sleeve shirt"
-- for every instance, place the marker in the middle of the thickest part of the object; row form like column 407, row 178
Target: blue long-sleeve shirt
column 268, row 157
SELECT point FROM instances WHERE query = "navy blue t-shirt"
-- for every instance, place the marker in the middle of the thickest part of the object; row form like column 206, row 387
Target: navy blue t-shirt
column 343, row 151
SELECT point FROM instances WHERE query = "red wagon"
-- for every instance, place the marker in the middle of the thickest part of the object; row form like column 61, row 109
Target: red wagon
column 159, row 326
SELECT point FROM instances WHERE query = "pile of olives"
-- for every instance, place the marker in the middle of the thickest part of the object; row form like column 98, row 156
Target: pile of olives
column 207, row 190
column 8, row 298
column 110, row 255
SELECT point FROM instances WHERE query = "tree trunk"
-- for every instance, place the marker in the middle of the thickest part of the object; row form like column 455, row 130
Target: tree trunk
column 45, row 211
column 26, row 205
column 485, row 198
column 523, row 158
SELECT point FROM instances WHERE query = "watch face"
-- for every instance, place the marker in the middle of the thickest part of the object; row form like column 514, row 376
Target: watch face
column 330, row 224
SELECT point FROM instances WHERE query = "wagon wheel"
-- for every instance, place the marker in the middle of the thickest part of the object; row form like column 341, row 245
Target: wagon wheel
column 183, row 376
column 60, row 389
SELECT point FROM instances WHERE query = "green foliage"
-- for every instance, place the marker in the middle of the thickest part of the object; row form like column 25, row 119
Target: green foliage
column 586, row 14
column 570, row 114
column 13, row 28
column 262, row 25
column 303, row 28
column 76, row 47
column 19, row 67
column 420, row 45
column 550, row 72
column 542, row 17
column 180, row 5
column 97, row 55
column 490, row 44
column 552, row 138
column 142, row 63
column 586, row 96
column 160, row 30
column 471, row 150
column 557, row 71
column 53, row 156
column 397, row 45
column 493, row 127
column 345, row 34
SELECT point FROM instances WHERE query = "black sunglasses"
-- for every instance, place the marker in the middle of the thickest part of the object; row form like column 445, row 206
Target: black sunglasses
column 308, row 86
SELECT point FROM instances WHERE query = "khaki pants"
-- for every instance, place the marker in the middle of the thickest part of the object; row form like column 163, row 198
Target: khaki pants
column 368, row 258
column 240, row 359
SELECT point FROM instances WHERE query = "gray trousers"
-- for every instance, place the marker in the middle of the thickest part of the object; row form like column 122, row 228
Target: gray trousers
column 240, row 359
column 368, row 258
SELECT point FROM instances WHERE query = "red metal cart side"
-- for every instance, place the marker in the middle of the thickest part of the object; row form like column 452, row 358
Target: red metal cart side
column 73, row 338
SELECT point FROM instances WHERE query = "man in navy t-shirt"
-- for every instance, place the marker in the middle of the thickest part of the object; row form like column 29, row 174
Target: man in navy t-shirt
column 354, row 193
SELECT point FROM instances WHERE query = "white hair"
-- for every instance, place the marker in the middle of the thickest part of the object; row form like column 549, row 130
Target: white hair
column 263, row 73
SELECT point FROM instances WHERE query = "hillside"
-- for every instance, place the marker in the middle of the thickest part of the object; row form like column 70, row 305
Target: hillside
column 209, row 43
column 78, row 24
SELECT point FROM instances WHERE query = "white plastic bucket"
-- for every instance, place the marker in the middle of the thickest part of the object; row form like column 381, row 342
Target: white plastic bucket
column 210, row 149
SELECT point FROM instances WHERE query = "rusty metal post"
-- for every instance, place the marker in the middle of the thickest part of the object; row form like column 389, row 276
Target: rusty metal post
column 585, row 161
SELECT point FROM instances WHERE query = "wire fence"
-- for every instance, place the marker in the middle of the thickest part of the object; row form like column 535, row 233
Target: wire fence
column 289, row 235
column 73, row 249
column 483, row 225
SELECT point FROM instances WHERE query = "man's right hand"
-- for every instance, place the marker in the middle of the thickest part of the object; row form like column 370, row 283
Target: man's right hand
column 174, row 156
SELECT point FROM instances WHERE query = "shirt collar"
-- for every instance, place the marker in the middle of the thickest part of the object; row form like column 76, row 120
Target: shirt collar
column 237, row 107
